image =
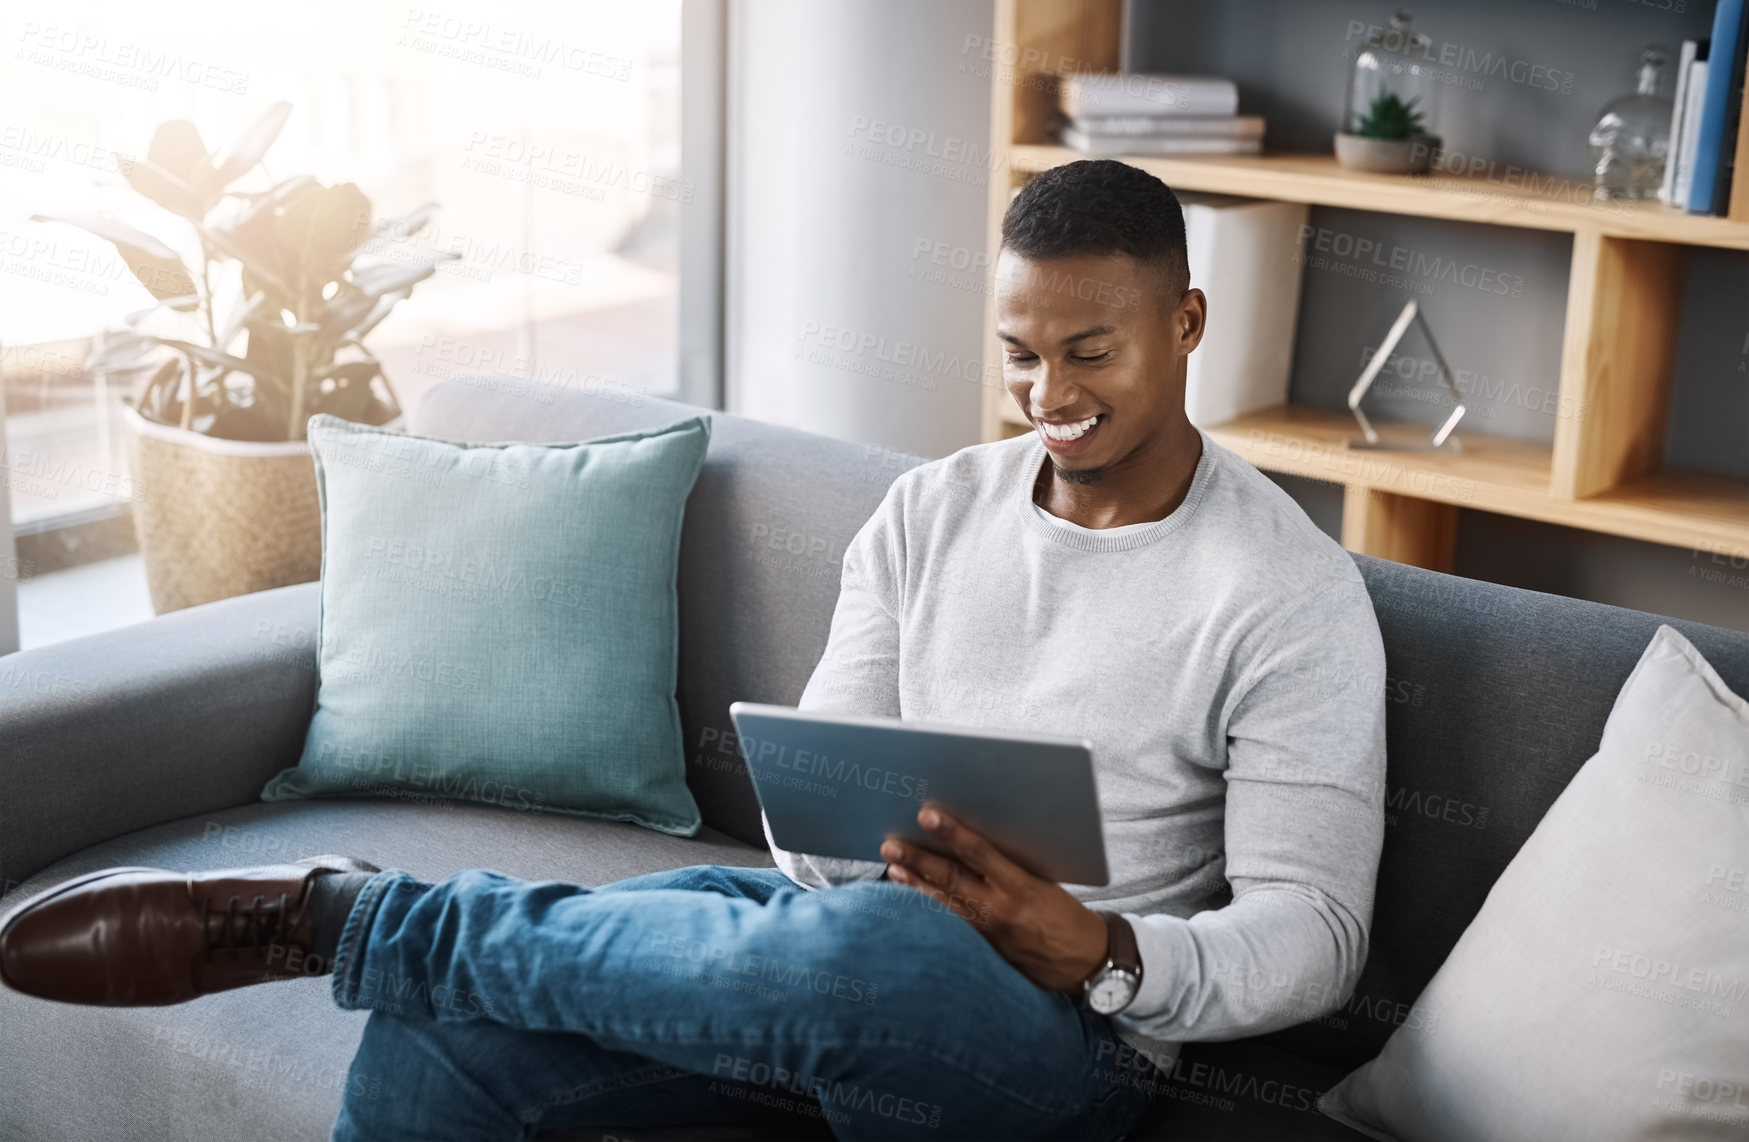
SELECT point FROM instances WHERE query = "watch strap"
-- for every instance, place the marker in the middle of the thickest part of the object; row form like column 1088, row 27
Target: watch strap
column 1122, row 952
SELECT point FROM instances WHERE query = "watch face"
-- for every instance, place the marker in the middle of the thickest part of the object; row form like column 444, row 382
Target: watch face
column 1111, row 992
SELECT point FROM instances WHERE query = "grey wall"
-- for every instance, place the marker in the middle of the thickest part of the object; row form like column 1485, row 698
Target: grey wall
column 1529, row 80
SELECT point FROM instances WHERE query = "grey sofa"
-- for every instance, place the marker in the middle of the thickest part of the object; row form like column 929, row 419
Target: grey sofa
column 149, row 745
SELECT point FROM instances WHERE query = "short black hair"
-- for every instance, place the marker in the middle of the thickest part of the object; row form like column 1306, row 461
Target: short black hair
column 1097, row 207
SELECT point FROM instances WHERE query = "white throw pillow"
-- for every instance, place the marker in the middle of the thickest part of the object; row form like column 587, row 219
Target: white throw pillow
column 1602, row 992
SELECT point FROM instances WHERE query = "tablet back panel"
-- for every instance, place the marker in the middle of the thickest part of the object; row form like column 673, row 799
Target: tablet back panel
column 838, row 787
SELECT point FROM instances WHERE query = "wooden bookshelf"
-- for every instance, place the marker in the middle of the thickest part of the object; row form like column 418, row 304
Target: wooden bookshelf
column 1494, row 474
column 1603, row 471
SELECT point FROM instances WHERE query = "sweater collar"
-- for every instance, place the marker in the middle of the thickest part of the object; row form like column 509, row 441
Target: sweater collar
column 1035, row 458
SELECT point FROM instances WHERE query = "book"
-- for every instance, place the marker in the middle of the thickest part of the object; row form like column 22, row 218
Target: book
column 1245, row 254
column 1084, row 94
column 1106, row 146
column 1696, row 92
column 1237, row 126
column 1710, row 183
column 1666, row 192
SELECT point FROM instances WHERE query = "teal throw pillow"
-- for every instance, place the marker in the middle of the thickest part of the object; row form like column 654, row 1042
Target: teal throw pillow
column 499, row 623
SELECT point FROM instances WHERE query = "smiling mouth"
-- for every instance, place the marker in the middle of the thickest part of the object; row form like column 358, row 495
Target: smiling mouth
column 1067, row 432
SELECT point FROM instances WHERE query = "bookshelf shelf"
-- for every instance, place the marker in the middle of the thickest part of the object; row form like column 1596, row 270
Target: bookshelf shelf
column 1511, row 198
column 1604, row 469
column 1494, row 474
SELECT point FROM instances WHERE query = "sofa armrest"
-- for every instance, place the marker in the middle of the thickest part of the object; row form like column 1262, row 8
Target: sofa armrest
column 187, row 713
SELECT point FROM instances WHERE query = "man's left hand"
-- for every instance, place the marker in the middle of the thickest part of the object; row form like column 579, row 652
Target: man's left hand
column 1051, row 937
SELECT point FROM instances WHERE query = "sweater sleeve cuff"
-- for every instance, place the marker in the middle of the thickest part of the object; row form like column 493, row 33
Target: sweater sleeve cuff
column 1166, row 948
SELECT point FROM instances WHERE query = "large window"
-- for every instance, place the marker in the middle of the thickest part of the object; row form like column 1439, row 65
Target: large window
column 548, row 133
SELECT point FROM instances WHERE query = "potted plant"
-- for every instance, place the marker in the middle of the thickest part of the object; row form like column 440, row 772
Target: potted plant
column 264, row 330
column 1388, row 139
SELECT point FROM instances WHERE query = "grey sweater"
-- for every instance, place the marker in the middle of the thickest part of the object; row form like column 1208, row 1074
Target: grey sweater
column 1224, row 661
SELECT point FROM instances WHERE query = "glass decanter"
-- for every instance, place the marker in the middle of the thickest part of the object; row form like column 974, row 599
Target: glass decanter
column 1631, row 141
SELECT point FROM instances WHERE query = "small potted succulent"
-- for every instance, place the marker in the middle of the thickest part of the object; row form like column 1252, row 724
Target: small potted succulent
column 265, row 329
column 1388, row 139
column 1391, row 109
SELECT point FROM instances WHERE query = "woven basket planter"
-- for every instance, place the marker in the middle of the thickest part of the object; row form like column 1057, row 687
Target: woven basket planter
column 217, row 518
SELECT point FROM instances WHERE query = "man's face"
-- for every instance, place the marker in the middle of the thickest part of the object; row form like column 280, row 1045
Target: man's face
column 1094, row 354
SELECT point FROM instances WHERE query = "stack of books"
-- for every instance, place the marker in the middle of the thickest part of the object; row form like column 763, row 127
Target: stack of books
column 1136, row 114
column 1703, row 122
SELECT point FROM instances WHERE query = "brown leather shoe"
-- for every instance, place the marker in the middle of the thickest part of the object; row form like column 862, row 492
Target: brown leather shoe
column 142, row 937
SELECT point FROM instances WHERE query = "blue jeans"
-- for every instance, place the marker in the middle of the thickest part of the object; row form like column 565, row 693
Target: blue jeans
column 708, row 996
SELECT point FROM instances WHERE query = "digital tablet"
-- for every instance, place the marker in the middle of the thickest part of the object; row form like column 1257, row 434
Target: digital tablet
column 839, row 786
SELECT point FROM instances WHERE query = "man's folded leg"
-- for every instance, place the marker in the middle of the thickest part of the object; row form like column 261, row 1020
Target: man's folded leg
column 895, row 1016
column 891, row 1015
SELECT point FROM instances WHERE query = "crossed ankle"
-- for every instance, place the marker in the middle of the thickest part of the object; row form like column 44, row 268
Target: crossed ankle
column 332, row 896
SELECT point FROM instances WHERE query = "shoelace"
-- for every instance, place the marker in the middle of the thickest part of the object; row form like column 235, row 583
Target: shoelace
column 262, row 924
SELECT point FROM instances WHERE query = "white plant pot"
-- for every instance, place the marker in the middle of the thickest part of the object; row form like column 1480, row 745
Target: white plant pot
column 1386, row 156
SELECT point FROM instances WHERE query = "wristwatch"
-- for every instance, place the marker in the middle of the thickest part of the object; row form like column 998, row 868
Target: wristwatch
column 1114, row 986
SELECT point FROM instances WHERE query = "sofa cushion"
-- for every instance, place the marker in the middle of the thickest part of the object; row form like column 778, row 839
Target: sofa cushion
column 1494, row 698
column 760, row 549
column 1599, row 991
column 270, row 1062
column 500, row 624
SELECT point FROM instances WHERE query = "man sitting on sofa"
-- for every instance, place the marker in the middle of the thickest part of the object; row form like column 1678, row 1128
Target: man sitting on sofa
column 1114, row 574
